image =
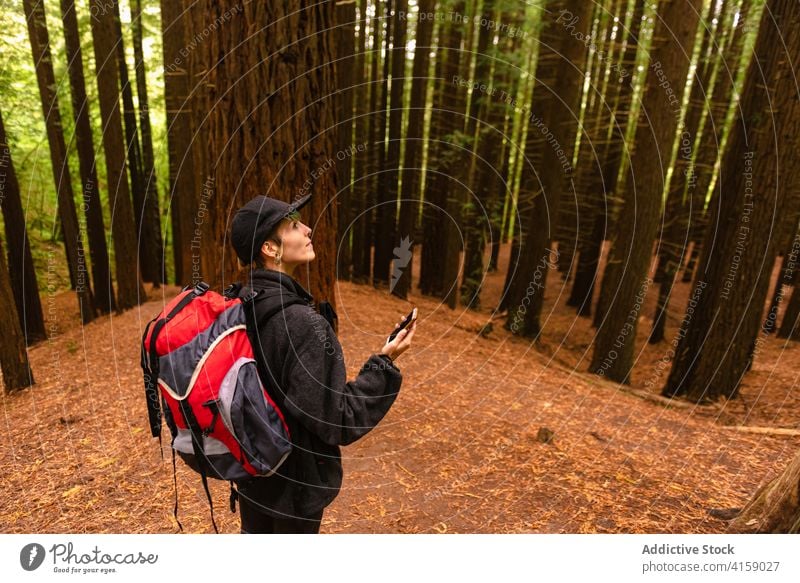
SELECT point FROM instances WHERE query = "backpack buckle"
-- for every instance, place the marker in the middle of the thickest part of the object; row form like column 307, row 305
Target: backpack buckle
column 213, row 406
column 232, row 290
column 201, row 288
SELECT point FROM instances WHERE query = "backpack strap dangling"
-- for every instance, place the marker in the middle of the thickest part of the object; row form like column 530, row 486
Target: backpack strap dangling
column 175, row 489
column 234, row 497
column 199, row 454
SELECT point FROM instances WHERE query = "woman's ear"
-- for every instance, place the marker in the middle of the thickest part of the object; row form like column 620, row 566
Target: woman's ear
column 266, row 249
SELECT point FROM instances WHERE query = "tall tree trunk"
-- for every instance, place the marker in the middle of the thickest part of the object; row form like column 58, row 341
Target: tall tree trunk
column 680, row 196
column 554, row 128
column 728, row 65
column 13, row 353
column 568, row 232
column 133, row 147
column 474, row 208
column 495, row 175
column 441, row 248
column 73, row 241
column 522, row 202
column 522, row 282
column 95, row 226
column 24, row 288
column 631, row 251
column 383, row 222
column 182, row 199
column 606, row 190
column 151, row 243
column 123, row 228
column 433, row 209
column 597, row 124
column 376, row 137
column 200, row 63
column 412, row 165
column 345, row 78
column 389, row 250
column 364, row 89
column 589, row 135
column 263, row 112
column 737, row 256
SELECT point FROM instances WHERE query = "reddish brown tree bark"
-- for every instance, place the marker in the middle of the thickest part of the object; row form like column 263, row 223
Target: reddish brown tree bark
column 737, row 257
column 552, row 131
column 73, row 240
column 676, row 225
column 387, row 244
column 441, row 216
column 182, row 199
column 631, row 251
column 708, row 152
column 24, row 288
column 129, row 286
column 263, row 108
column 412, row 164
column 151, row 244
column 95, row 226
column 345, row 78
column 366, row 92
column 13, row 354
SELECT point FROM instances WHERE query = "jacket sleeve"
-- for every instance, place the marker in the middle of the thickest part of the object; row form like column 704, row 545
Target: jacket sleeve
column 318, row 393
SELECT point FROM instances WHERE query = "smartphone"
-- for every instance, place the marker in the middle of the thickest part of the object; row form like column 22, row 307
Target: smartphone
column 412, row 315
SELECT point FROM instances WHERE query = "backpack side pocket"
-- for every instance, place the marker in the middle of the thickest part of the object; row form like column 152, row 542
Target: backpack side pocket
column 255, row 422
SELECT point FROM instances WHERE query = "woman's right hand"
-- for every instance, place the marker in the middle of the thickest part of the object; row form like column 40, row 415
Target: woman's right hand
column 402, row 341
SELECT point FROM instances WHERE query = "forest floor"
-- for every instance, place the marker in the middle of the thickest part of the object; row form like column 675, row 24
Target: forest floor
column 460, row 451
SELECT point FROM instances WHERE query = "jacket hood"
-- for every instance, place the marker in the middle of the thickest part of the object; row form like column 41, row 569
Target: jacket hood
column 269, row 279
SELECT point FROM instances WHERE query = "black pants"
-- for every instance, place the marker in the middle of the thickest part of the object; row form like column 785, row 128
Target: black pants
column 254, row 521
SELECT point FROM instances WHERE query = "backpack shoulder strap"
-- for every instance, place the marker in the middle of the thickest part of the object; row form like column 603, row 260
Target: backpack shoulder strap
column 270, row 302
column 259, row 307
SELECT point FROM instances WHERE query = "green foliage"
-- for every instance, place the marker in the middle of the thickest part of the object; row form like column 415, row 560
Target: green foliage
column 24, row 118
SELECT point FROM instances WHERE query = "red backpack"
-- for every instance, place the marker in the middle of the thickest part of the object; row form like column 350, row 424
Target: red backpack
column 200, row 373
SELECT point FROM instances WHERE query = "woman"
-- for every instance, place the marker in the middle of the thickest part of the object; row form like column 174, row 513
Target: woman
column 303, row 368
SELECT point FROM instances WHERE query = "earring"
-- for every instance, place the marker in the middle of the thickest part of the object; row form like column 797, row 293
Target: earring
column 277, row 260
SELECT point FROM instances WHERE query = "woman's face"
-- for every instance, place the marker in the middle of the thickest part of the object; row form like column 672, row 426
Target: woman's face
column 296, row 248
